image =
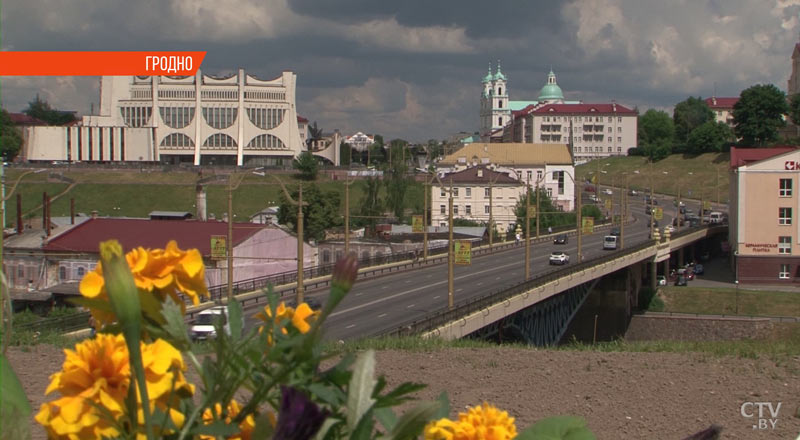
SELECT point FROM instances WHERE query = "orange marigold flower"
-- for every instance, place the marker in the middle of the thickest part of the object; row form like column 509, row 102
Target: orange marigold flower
column 167, row 272
column 97, row 373
column 246, row 426
column 300, row 318
column 483, row 422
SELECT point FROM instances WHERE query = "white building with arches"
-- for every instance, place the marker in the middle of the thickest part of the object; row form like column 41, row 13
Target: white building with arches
column 200, row 119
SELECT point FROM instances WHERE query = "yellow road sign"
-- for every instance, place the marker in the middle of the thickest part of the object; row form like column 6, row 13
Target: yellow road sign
column 659, row 214
column 707, row 204
column 417, row 224
column 463, row 253
column 608, row 203
column 219, row 247
column 532, row 211
column 588, row 225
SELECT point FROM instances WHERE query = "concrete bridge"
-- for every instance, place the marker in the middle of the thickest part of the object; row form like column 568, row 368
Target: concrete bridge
column 565, row 303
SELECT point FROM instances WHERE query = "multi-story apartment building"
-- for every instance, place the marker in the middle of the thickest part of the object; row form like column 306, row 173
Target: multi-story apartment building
column 477, row 191
column 544, row 165
column 764, row 205
column 200, row 119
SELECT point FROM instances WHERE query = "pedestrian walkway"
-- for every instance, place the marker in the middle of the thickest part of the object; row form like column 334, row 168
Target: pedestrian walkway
column 718, row 273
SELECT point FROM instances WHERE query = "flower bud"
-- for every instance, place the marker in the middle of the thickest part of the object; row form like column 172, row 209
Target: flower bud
column 345, row 271
column 122, row 292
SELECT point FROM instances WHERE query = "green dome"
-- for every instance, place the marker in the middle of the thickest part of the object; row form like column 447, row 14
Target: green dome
column 551, row 90
column 499, row 75
column 488, row 77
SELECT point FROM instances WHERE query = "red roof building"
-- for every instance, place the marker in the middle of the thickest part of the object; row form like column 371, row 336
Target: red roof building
column 722, row 108
column 743, row 156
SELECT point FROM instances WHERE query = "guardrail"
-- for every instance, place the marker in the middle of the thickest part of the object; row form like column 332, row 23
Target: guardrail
column 472, row 305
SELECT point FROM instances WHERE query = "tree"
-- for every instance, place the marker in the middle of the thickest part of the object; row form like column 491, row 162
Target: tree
column 370, row 204
column 307, row 165
column 321, row 211
column 759, row 114
column 345, row 153
column 710, row 137
column 687, row 116
column 40, row 109
column 314, row 133
column 656, row 134
column 398, row 182
column 10, row 137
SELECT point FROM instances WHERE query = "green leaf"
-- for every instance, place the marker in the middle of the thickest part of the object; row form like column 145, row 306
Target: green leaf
column 558, row 428
column 412, row 423
column 174, row 324
column 329, row 423
column 91, row 303
column 329, row 395
column 444, row 407
column 235, row 317
column 387, row 417
column 359, row 397
column 151, row 307
column 14, row 406
column 363, row 430
column 399, row 394
column 218, row 429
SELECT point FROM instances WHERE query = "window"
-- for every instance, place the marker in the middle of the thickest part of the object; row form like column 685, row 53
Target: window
column 469, row 192
column 619, row 138
column 530, row 174
column 468, row 210
column 455, row 209
column 549, row 192
column 784, row 245
column 784, row 216
column 62, row 273
column 619, row 118
column 486, row 209
column 442, row 192
column 486, row 193
column 539, row 175
column 500, row 104
column 610, row 129
column 500, row 92
column 609, row 138
column 20, row 272
column 786, row 187
column 784, row 273
column 326, row 256
column 499, row 121
column 609, row 119
column 442, row 209
column 80, row 271
column 619, row 129
column 455, row 192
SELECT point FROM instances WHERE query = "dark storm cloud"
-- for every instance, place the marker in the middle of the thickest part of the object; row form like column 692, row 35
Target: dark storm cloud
column 413, row 69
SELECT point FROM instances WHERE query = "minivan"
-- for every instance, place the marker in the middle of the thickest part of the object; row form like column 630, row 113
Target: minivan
column 203, row 328
column 610, row 242
column 715, row 217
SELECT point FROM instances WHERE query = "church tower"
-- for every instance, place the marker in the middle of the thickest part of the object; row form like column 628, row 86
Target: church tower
column 486, row 106
column 495, row 112
column 793, row 87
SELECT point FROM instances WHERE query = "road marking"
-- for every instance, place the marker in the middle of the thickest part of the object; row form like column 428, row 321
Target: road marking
column 436, row 297
column 408, row 307
column 359, row 293
column 497, row 278
column 350, row 326
column 381, row 315
column 481, row 283
column 459, row 290
column 408, row 281
column 385, row 287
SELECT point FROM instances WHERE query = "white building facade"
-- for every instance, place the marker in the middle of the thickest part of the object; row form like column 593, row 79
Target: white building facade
column 360, row 141
column 200, row 119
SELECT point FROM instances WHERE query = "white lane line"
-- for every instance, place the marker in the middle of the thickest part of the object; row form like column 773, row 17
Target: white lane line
column 459, row 290
column 350, row 326
column 381, row 315
column 499, row 277
column 359, row 293
column 481, row 283
column 408, row 281
column 385, row 287
column 437, row 297
column 412, row 305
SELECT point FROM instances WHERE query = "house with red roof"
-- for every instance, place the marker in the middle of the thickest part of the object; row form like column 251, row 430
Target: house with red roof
column 722, row 108
column 764, row 230
column 64, row 258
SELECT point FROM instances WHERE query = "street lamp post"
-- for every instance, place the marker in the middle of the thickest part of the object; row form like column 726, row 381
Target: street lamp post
column 528, row 230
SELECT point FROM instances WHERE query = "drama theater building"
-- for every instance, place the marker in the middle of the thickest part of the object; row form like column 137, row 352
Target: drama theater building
column 200, row 120
column 764, row 229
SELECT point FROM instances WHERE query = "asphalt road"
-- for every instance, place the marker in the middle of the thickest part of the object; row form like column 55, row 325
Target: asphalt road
column 390, row 301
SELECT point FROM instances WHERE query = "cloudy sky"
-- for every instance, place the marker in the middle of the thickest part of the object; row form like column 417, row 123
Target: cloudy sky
column 413, row 69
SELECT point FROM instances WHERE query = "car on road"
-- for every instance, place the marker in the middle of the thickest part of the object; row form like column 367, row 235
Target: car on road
column 559, row 257
column 594, row 199
column 615, row 232
column 561, row 239
column 608, row 191
column 699, row 269
column 661, row 280
column 610, row 242
column 680, row 281
column 203, row 327
column 632, row 192
column 669, row 228
column 314, row 303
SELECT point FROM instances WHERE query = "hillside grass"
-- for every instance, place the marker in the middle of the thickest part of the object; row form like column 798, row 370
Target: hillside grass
column 135, row 194
column 701, row 184
column 722, row 301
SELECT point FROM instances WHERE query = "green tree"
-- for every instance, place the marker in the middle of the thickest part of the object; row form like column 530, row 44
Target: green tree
column 759, row 114
column 710, row 137
column 345, row 153
column 370, row 204
column 307, row 165
column 321, row 211
column 398, row 181
column 687, row 116
column 10, row 137
column 40, row 109
column 656, row 133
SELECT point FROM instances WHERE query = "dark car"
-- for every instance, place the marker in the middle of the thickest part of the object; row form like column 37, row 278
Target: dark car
column 314, row 303
column 561, row 239
column 680, row 281
column 615, row 232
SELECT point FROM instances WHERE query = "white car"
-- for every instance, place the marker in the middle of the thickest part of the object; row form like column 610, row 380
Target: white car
column 203, row 328
column 608, row 191
column 669, row 228
column 559, row 258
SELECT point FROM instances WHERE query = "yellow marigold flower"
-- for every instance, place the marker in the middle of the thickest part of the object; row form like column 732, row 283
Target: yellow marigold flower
column 301, row 318
column 97, row 373
column 166, row 271
column 246, row 426
column 479, row 423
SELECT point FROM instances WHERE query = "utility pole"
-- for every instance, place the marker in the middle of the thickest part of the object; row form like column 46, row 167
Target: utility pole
column 624, row 216
column 652, row 207
column 717, row 186
column 491, row 213
column 299, row 290
column 347, row 184
column 538, row 214
column 450, row 255
column 678, row 208
column 580, row 222
column 528, row 230
column 425, row 189
column 230, row 237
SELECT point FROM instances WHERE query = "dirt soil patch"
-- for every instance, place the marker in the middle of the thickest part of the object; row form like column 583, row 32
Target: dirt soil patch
column 621, row 395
